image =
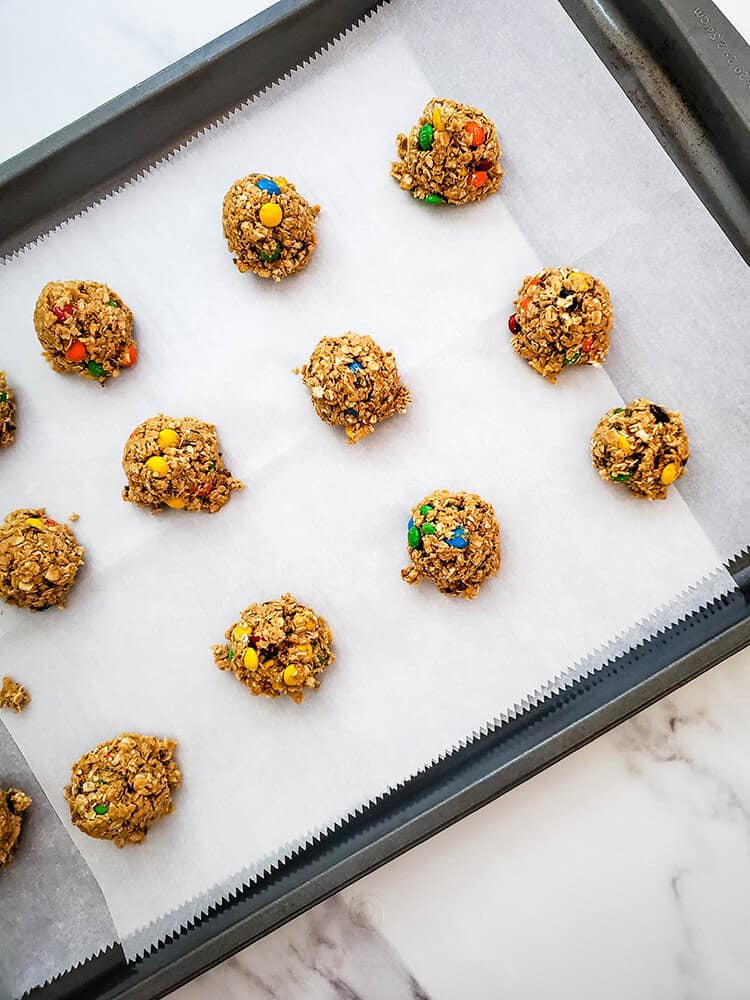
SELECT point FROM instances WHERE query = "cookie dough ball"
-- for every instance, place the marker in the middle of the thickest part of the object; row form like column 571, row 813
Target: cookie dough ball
column 118, row 789
column 269, row 227
column 176, row 462
column 643, row 446
column 85, row 329
column 13, row 804
column 13, row 695
column 451, row 155
column 453, row 540
column 7, row 414
column 278, row 647
column 562, row 317
column 39, row 560
column 354, row 383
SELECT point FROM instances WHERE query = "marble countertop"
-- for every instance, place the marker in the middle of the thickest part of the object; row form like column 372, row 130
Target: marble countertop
column 622, row 871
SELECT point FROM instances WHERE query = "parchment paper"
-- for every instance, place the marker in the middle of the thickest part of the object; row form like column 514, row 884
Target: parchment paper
column 585, row 567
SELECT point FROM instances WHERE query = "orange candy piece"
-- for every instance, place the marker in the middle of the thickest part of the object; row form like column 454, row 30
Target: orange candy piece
column 525, row 303
column 478, row 178
column 587, row 344
column 132, row 356
column 76, row 352
column 477, row 134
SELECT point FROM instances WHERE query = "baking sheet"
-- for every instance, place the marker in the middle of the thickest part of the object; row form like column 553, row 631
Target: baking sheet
column 416, row 673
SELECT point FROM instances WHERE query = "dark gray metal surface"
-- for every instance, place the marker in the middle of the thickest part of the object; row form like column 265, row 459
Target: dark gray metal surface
column 674, row 71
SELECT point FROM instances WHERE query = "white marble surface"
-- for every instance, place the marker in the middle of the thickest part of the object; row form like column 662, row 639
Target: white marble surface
column 623, row 871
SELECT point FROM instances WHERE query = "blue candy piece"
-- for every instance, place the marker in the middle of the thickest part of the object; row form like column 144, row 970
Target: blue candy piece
column 351, row 412
column 458, row 539
column 266, row 184
column 410, row 525
column 355, row 366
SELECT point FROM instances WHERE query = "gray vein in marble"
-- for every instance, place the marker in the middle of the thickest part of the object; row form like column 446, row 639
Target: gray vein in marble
column 326, row 954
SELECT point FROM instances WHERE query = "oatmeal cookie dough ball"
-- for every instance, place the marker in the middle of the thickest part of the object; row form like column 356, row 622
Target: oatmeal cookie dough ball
column 13, row 695
column 268, row 226
column 354, row 383
column 278, row 647
column 562, row 317
column 643, row 446
column 85, row 329
column 451, row 155
column 176, row 462
column 39, row 560
column 13, row 804
column 454, row 541
column 118, row 789
column 7, row 413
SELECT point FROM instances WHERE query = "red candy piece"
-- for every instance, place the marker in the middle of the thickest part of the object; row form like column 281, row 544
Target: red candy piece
column 49, row 521
column 478, row 178
column 587, row 344
column 477, row 134
column 513, row 323
column 62, row 312
column 76, row 352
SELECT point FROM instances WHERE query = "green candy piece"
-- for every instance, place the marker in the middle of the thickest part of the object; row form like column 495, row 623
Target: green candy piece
column 572, row 361
column 269, row 258
column 212, row 466
column 3, row 397
column 429, row 528
column 414, row 537
column 434, row 199
column 95, row 369
column 101, row 810
column 621, row 479
column 425, row 137
column 620, row 409
column 426, row 509
column 114, row 304
column 230, row 655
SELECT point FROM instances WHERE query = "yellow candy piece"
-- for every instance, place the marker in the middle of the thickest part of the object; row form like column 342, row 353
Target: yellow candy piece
column 282, row 182
column 177, row 503
column 250, row 658
column 304, row 652
column 578, row 281
column 293, row 675
column 168, row 438
column 437, row 119
column 270, row 214
column 240, row 632
column 35, row 522
column 624, row 444
column 157, row 465
column 669, row 473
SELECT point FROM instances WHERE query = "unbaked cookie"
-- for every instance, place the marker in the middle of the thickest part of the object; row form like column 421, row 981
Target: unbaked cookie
column 39, row 560
column 7, row 413
column 13, row 695
column 451, row 155
column 354, row 383
column 118, row 789
column 642, row 446
column 562, row 317
column 176, row 462
column 85, row 329
column 268, row 226
column 278, row 647
column 453, row 540
column 13, row 804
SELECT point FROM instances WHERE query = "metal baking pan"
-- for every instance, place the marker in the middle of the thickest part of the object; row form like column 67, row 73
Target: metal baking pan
column 688, row 73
